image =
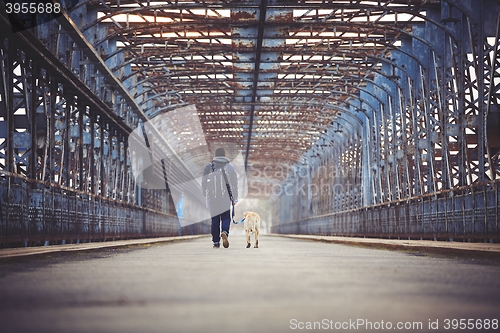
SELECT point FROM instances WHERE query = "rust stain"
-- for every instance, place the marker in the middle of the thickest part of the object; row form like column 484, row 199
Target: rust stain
column 282, row 17
column 243, row 16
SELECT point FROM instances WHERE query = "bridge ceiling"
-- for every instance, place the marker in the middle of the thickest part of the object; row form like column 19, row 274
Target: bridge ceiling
column 271, row 77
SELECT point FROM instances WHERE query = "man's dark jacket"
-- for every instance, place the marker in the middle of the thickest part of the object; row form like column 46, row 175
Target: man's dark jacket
column 217, row 195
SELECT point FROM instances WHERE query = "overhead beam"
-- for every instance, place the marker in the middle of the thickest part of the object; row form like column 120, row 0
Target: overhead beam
column 258, row 53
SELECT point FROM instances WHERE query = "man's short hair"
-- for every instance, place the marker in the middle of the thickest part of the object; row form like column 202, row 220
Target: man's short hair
column 220, row 152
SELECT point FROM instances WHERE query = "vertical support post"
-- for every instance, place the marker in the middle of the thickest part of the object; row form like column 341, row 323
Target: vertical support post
column 65, row 166
column 80, row 147
column 51, row 128
column 90, row 152
column 9, row 163
column 31, row 112
column 481, row 122
column 102, row 126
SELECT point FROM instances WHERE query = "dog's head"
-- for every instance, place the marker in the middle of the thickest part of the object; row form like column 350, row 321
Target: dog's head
column 245, row 216
column 250, row 215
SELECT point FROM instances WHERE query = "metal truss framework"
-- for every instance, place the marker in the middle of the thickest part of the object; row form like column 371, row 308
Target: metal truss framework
column 338, row 106
column 430, row 165
column 63, row 153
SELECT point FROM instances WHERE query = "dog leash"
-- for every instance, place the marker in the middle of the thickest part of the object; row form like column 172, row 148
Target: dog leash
column 240, row 221
column 228, row 190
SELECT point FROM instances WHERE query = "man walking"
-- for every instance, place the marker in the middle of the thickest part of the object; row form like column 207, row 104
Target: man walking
column 220, row 186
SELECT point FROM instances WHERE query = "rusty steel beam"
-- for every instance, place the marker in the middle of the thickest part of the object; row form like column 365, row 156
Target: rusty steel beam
column 36, row 50
column 258, row 55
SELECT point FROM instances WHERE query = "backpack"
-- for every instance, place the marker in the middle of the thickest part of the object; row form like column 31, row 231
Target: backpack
column 218, row 185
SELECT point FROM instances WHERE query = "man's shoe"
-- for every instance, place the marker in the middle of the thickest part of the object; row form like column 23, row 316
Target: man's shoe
column 225, row 241
column 216, row 246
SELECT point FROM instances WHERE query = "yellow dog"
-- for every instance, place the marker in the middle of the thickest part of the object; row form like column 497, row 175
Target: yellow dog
column 252, row 224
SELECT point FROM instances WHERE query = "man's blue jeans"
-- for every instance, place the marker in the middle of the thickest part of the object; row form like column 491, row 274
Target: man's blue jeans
column 217, row 220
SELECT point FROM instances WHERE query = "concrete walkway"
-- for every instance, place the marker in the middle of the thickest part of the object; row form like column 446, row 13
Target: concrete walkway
column 481, row 249
column 427, row 246
column 286, row 285
column 40, row 250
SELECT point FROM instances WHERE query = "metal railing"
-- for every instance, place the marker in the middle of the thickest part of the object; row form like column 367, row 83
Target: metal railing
column 34, row 213
column 469, row 213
